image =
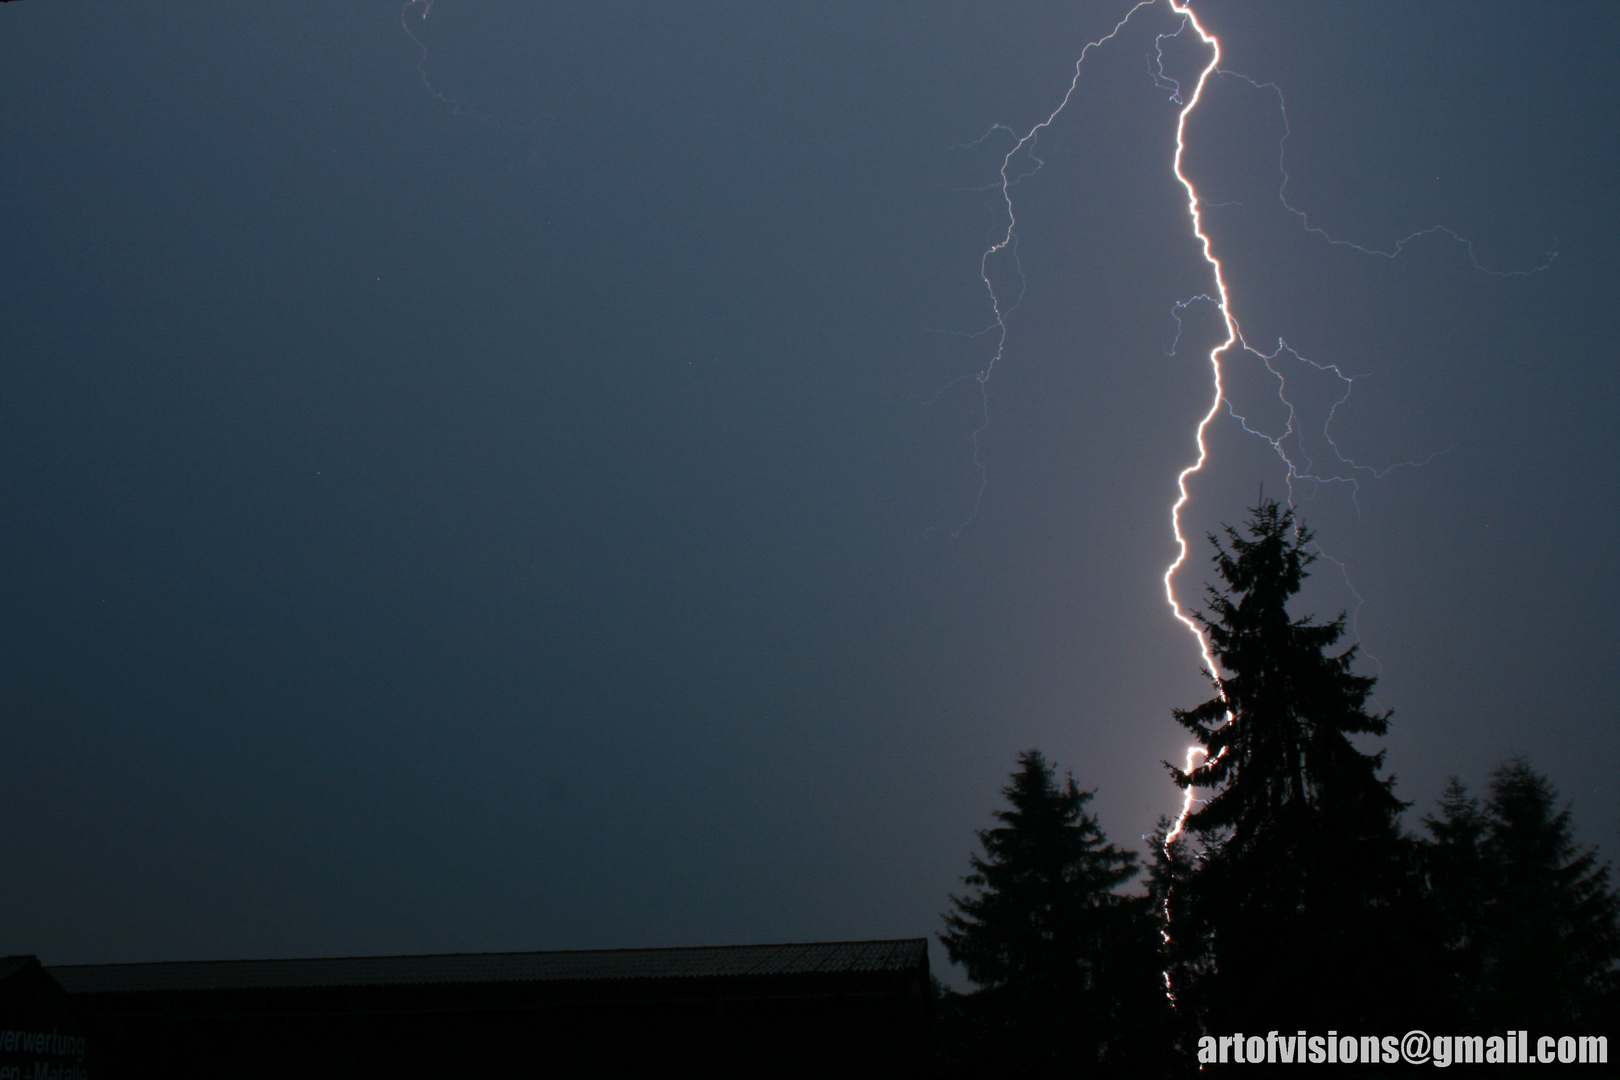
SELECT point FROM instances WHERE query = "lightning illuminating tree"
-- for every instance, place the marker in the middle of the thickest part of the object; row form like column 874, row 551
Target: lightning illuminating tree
column 1301, row 909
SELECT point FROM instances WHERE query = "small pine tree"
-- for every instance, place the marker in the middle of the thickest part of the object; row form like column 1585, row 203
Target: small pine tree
column 1067, row 969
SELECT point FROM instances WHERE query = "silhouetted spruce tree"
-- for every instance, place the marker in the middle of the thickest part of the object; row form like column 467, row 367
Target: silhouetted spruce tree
column 1303, row 908
column 1530, row 919
column 1068, row 970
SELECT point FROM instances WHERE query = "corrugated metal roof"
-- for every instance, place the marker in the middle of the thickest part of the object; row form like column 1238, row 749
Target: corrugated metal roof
column 680, row 963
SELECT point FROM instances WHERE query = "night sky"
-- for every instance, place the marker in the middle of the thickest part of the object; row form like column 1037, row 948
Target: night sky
column 534, row 506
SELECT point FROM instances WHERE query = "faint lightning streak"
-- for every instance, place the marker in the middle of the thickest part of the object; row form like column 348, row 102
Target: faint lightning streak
column 421, row 61
column 1175, row 313
column 455, row 104
column 1401, row 244
column 1355, row 612
column 1008, row 242
column 1156, row 67
column 1305, row 470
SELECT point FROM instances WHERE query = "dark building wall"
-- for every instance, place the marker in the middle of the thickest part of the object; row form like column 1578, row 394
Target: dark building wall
column 790, row 1024
column 42, row 1036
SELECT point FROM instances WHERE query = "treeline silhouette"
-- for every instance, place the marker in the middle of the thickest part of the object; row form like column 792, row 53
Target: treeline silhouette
column 1292, row 899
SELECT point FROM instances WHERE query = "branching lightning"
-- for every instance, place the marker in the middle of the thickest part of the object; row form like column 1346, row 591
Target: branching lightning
column 1290, row 445
column 1008, row 242
column 1400, row 245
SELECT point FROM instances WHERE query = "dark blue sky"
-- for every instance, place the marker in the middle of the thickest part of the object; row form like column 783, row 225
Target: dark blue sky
column 533, row 521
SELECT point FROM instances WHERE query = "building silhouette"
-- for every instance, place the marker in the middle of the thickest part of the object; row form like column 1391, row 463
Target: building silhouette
column 851, row 1008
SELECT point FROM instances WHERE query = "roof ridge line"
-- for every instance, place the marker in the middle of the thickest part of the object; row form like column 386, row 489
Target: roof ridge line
column 498, row 953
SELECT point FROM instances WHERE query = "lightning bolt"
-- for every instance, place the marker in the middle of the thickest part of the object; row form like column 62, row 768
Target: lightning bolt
column 1195, row 211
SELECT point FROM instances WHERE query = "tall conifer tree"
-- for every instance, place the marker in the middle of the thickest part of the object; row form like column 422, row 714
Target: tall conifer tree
column 1300, row 911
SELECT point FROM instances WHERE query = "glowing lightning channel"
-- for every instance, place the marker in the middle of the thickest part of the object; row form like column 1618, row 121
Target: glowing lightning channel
column 1224, row 307
column 421, row 61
